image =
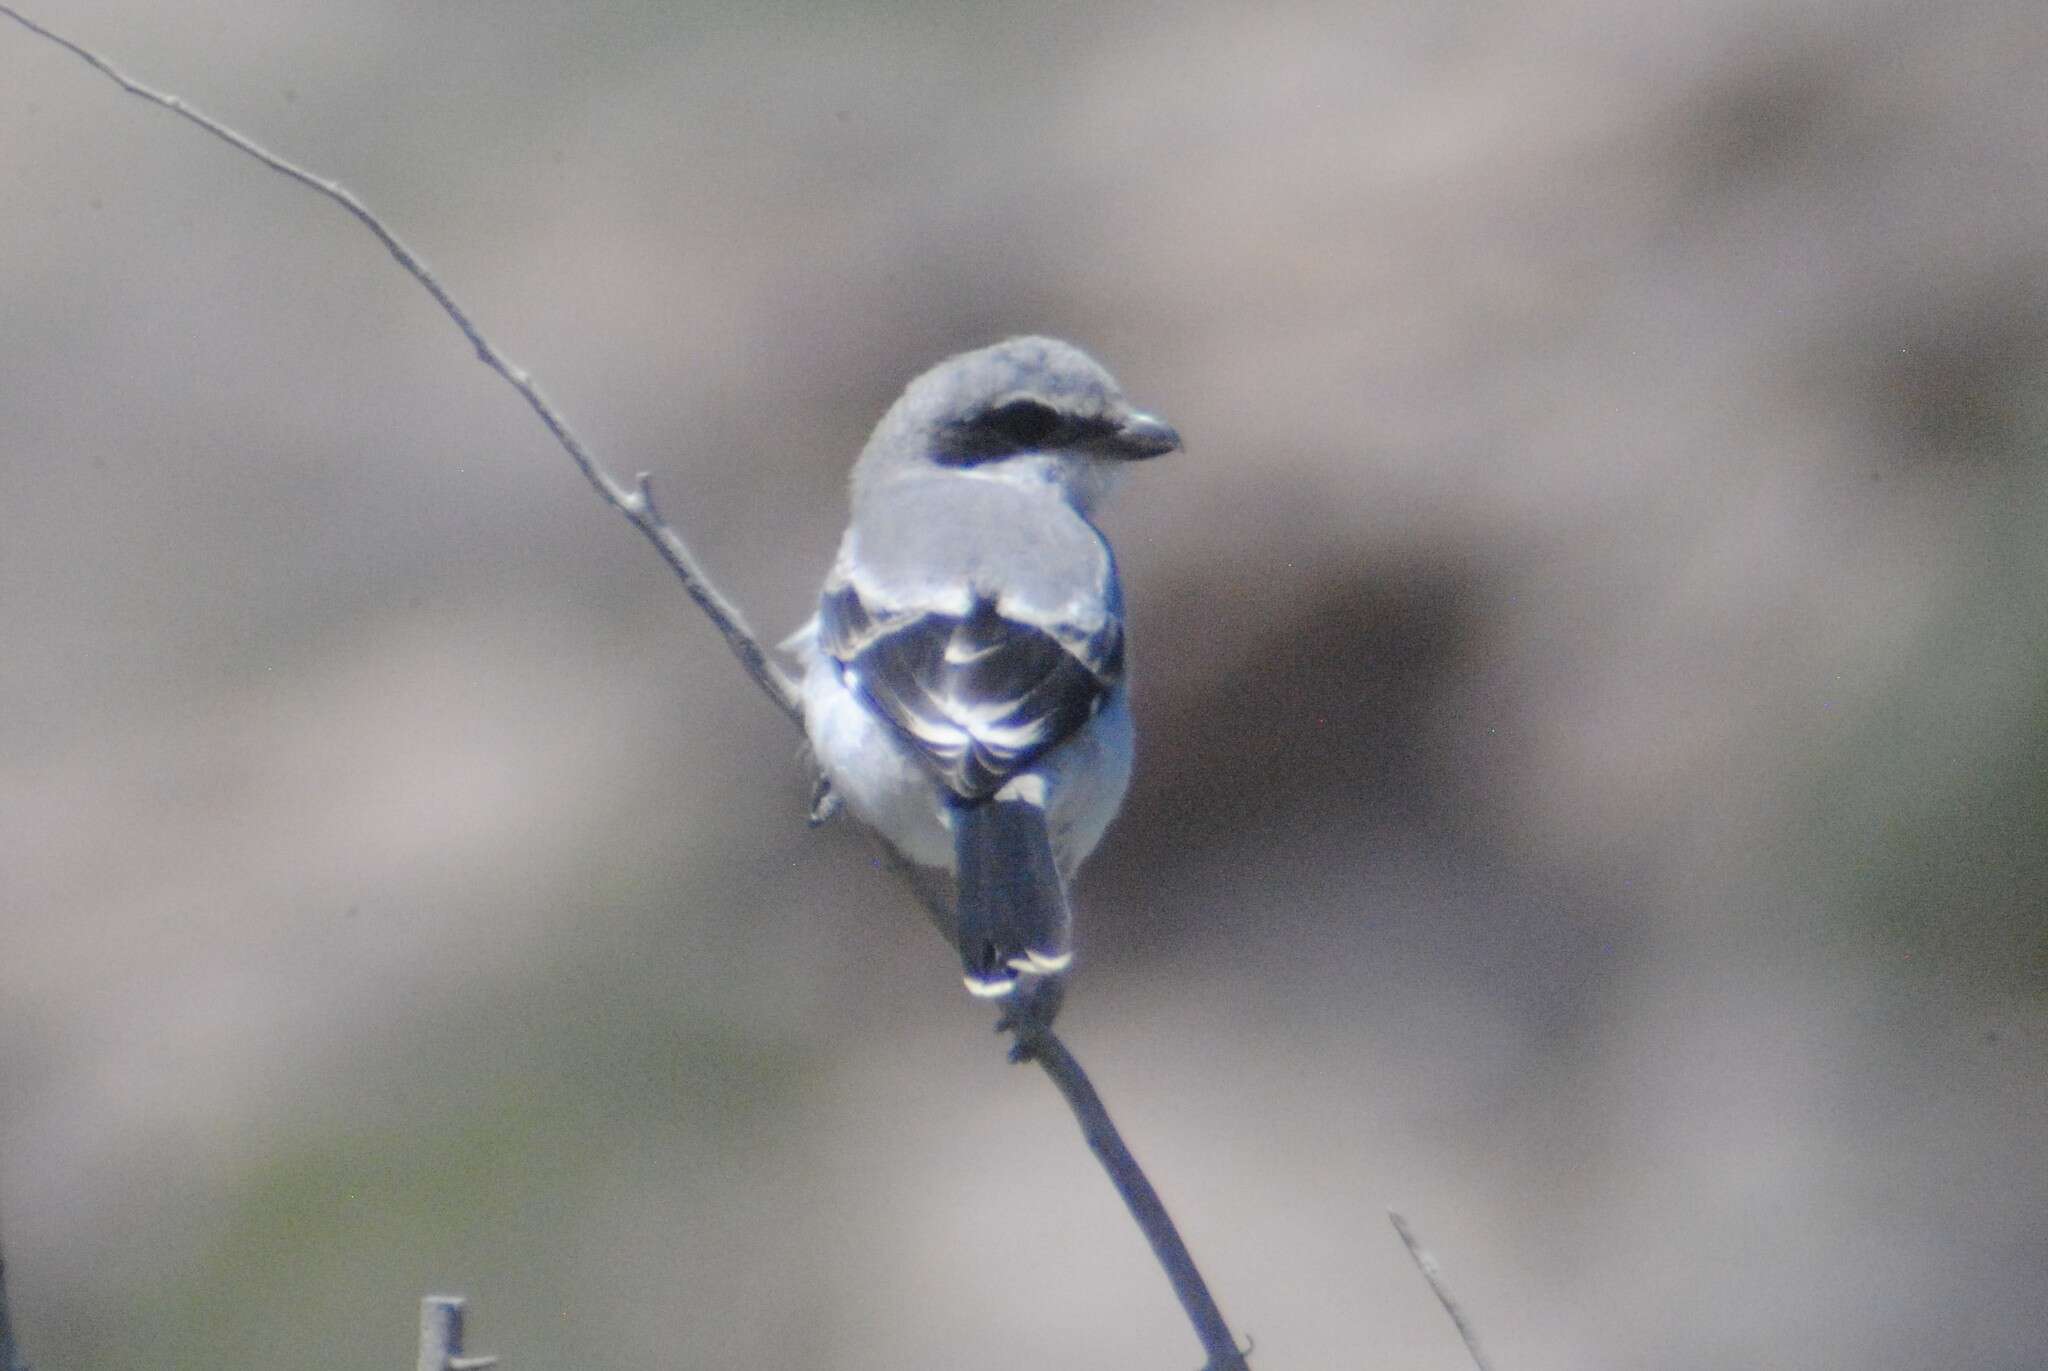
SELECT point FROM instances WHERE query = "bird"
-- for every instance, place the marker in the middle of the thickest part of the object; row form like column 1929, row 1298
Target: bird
column 964, row 677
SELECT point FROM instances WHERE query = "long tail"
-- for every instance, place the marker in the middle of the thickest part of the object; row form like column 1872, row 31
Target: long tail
column 1013, row 904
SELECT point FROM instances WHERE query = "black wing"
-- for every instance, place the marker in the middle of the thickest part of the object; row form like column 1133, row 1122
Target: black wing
column 978, row 696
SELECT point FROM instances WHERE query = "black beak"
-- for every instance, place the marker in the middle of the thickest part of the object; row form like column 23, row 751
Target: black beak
column 1143, row 435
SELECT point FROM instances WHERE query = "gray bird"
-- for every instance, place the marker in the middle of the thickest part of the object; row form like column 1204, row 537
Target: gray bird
column 964, row 675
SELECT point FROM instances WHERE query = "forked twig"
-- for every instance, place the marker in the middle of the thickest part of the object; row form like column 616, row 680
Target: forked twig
column 636, row 504
column 1034, row 1041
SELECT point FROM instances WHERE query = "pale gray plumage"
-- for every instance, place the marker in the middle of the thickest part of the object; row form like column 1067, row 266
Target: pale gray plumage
column 963, row 683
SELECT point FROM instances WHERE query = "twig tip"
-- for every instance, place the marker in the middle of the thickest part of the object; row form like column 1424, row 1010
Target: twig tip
column 1433, row 1274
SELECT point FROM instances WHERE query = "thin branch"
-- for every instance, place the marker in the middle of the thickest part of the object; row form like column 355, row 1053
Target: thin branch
column 1039, row 1043
column 441, row 1337
column 637, row 504
column 1035, row 1040
column 1433, row 1273
column 1030, row 1021
column 11, row 1358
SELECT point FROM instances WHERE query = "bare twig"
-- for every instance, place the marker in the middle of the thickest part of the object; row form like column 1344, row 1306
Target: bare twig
column 1042, row 1045
column 1035, row 1041
column 1433, row 1273
column 637, row 504
column 441, row 1337
column 11, row 1358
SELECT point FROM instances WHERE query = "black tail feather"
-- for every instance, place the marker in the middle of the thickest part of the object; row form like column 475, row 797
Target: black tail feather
column 1013, row 904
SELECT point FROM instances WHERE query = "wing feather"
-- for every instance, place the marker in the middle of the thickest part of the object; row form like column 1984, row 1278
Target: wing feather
column 979, row 696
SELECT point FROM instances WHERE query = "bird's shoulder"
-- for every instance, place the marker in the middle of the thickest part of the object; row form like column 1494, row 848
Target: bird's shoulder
column 983, row 537
column 985, row 624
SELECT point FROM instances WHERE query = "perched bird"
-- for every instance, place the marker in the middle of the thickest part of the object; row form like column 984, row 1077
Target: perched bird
column 963, row 678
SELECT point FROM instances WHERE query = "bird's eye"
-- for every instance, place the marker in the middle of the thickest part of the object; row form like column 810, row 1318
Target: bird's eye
column 1024, row 423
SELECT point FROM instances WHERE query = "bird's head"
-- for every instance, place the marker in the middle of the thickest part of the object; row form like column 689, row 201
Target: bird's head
column 1026, row 409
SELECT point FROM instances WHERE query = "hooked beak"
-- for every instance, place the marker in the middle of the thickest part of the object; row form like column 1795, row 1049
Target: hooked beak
column 1145, row 435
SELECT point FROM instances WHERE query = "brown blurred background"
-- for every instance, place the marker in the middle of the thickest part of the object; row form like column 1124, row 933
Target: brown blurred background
column 1593, row 685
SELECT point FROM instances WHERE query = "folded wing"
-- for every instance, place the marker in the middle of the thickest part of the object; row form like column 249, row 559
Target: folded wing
column 979, row 695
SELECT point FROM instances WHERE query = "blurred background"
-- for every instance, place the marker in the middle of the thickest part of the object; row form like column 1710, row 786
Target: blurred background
column 1592, row 675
